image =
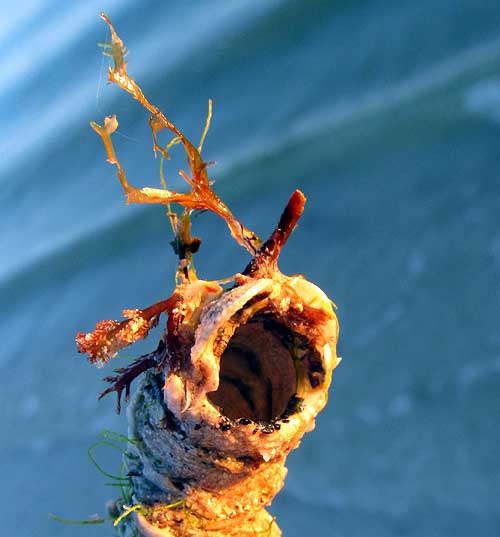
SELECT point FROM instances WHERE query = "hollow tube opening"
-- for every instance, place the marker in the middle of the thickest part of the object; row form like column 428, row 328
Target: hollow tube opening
column 257, row 377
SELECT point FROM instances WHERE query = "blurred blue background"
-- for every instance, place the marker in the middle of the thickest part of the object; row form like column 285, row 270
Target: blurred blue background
column 387, row 115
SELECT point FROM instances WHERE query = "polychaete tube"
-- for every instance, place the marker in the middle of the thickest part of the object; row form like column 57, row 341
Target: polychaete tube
column 241, row 371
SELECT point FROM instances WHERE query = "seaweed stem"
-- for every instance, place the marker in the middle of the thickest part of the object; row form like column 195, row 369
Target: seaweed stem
column 127, row 512
column 201, row 195
column 207, row 126
column 78, row 522
column 265, row 261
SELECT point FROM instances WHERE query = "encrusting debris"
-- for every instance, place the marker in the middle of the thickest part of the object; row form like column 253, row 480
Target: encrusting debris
column 239, row 375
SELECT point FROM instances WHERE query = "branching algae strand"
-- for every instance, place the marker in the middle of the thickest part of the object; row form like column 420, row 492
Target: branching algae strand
column 239, row 375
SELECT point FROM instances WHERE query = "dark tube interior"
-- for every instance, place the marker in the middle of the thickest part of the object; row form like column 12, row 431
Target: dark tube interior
column 257, row 375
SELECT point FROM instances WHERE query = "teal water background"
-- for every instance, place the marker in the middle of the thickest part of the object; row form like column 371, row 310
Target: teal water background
column 387, row 115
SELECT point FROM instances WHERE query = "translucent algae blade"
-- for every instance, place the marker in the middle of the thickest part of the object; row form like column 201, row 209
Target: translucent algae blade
column 201, row 196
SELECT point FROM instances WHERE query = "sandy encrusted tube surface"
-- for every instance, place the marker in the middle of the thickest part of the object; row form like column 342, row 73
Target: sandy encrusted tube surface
column 219, row 454
column 170, row 463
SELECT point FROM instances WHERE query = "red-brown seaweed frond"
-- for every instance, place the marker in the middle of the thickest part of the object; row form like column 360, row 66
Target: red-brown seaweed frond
column 109, row 336
column 264, row 263
column 126, row 375
column 201, row 195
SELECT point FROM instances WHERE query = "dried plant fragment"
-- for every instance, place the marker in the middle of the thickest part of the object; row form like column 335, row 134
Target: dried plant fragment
column 240, row 373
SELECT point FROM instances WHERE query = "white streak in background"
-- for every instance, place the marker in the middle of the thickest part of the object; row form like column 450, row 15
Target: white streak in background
column 44, row 38
column 30, row 56
column 63, row 112
column 59, row 114
column 14, row 16
column 483, row 98
column 210, row 19
column 50, row 38
column 434, row 78
column 342, row 114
